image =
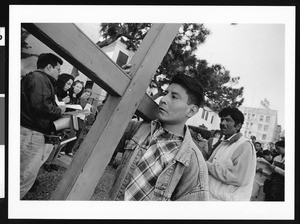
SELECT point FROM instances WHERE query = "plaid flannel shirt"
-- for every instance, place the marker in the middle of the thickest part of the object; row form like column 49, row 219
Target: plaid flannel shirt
column 163, row 147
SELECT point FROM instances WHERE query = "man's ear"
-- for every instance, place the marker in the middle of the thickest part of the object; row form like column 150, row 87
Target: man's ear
column 192, row 110
column 48, row 67
column 239, row 126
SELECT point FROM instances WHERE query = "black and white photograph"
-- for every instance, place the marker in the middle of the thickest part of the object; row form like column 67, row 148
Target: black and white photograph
column 116, row 104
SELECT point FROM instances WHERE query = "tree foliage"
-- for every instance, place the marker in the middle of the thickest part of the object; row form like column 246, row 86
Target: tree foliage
column 180, row 58
column 25, row 45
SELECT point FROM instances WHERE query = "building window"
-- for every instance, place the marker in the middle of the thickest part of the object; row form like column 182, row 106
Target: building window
column 212, row 119
column 268, row 119
column 253, row 116
column 245, row 133
column 248, row 117
column 249, row 133
column 264, row 136
column 258, row 136
column 261, row 118
column 266, row 127
column 259, row 127
column 122, row 58
column 251, row 125
column 206, row 115
column 203, row 113
column 247, row 124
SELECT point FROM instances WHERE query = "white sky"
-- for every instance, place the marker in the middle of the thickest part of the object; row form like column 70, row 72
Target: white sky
column 255, row 53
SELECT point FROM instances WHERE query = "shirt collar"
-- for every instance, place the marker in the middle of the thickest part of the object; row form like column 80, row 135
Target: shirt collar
column 158, row 131
column 233, row 138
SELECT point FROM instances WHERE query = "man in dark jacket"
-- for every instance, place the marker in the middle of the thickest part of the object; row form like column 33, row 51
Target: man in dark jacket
column 38, row 111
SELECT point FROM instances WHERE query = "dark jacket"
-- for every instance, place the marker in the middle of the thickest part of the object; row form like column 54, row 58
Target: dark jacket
column 38, row 107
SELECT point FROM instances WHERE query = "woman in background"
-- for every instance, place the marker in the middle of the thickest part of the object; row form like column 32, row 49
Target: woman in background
column 62, row 86
column 76, row 92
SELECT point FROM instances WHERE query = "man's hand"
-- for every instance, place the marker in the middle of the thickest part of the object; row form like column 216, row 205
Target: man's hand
column 63, row 109
column 126, row 68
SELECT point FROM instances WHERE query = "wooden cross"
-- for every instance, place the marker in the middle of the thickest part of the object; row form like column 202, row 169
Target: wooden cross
column 126, row 95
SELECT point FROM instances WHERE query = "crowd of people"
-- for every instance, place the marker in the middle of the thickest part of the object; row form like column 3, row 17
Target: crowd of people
column 162, row 159
column 45, row 96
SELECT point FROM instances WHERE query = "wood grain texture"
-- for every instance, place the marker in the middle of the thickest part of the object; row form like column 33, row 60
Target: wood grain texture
column 97, row 148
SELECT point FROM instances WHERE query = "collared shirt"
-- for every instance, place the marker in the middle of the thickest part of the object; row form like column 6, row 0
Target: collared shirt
column 163, row 146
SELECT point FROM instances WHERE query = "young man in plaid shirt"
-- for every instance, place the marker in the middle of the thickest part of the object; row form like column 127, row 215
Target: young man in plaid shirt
column 160, row 160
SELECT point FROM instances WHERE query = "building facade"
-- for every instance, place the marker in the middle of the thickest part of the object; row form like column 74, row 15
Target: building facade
column 205, row 118
column 120, row 55
column 262, row 123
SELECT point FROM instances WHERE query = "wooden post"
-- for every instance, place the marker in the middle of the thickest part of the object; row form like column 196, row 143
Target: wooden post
column 74, row 46
column 97, row 148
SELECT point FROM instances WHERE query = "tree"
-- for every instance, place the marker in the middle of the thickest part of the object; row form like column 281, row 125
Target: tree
column 180, row 58
column 25, row 45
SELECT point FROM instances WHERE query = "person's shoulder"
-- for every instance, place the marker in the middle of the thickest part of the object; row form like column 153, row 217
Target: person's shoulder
column 38, row 76
column 277, row 158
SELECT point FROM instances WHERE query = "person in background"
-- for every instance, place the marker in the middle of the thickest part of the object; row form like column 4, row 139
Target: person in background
column 201, row 143
column 267, row 155
column 232, row 165
column 76, row 92
column 253, row 139
column 38, row 112
column 258, row 149
column 85, row 96
column 272, row 149
column 61, row 87
column 214, row 141
column 262, row 173
column 160, row 161
column 274, row 188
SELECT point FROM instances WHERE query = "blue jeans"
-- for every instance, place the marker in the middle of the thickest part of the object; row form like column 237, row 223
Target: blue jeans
column 32, row 151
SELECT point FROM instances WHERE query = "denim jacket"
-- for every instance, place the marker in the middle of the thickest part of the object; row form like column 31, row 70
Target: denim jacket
column 185, row 178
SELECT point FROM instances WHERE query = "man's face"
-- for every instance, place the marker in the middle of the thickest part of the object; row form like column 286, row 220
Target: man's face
column 268, row 157
column 257, row 147
column 53, row 71
column 228, row 126
column 280, row 149
column 217, row 135
column 85, row 95
column 173, row 106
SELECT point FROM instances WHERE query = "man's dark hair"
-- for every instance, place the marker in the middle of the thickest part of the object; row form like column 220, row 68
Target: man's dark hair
column 46, row 59
column 267, row 153
column 192, row 86
column 280, row 143
column 234, row 113
column 257, row 143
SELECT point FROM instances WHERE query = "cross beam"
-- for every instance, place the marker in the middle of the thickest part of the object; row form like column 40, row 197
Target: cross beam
column 95, row 152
